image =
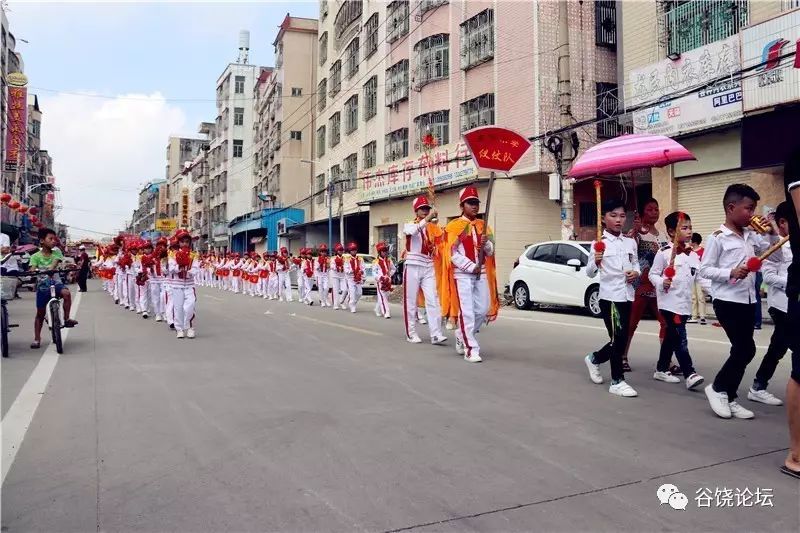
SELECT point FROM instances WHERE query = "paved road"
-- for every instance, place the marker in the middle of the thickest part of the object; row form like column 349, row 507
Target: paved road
column 280, row 417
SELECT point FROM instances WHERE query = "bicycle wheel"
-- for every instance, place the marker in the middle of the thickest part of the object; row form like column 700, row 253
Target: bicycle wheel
column 4, row 331
column 55, row 326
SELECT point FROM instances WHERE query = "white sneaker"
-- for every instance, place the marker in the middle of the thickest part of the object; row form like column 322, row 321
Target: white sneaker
column 158, row 318
column 378, row 314
column 438, row 340
column 145, row 315
column 623, row 389
column 422, row 321
column 594, row 370
column 387, row 316
column 666, row 377
column 449, row 326
column 695, row 380
column 763, row 396
column 719, row 402
column 474, row 358
column 180, row 334
column 414, row 340
column 737, row 411
column 692, row 321
column 352, row 310
column 190, row 334
column 460, row 347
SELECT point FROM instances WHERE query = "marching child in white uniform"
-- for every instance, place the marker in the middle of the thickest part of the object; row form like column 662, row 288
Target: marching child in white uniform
column 338, row 279
column 273, row 280
column 354, row 273
column 383, row 269
column 183, row 264
column 322, row 273
column 143, row 281
column 284, row 281
column 157, row 277
column 306, row 274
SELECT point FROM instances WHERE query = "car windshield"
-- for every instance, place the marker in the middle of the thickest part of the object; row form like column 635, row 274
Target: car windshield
column 585, row 245
column 368, row 258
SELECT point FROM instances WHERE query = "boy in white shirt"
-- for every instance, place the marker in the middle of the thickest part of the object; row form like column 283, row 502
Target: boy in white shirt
column 776, row 272
column 673, row 275
column 734, row 290
column 618, row 265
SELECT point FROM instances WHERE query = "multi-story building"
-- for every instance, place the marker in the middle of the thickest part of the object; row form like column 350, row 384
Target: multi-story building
column 720, row 76
column 198, row 177
column 231, row 176
column 282, row 141
column 143, row 221
column 38, row 177
column 180, row 152
column 392, row 73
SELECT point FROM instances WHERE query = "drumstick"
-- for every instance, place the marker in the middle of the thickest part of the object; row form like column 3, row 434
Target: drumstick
column 599, row 245
column 754, row 263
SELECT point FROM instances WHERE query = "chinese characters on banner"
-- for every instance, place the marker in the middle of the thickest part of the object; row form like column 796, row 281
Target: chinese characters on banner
column 185, row 208
column 17, row 121
column 496, row 148
column 446, row 165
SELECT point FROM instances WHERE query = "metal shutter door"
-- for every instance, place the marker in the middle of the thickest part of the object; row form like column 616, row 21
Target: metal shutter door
column 701, row 198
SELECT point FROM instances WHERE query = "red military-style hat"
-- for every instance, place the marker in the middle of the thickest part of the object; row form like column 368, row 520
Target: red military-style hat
column 162, row 241
column 284, row 250
column 322, row 248
column 382, row 247
column 338, row 247
column 182, row 234
column 468, row 193
column 352, row 247
column 421, row 201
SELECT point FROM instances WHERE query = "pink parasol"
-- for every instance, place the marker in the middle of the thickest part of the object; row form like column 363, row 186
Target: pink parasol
column 629, row 152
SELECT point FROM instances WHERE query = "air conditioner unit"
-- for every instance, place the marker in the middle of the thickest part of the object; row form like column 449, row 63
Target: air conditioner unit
column 282, row 227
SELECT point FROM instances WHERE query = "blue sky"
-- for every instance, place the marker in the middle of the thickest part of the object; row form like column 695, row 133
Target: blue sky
column 141, row 61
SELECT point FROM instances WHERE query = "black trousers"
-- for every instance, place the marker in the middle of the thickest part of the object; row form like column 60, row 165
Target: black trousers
column 675, row 341
column 737, row 321
column 617, row 326
column 778, row 345
column 82, row 275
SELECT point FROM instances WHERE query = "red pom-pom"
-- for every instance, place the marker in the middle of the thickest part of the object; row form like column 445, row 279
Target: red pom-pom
column 669, row 272
column 33, row 210
column 600, row 246
column 5, row 198
column 754, row 264
column 183, row 258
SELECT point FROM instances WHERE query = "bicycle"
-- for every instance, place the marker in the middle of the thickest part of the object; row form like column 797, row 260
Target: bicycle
column 54, row 312
column 8, row 287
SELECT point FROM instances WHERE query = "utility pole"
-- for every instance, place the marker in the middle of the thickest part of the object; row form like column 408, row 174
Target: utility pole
column 565, row 117
column 206, row 196
column 341, row 211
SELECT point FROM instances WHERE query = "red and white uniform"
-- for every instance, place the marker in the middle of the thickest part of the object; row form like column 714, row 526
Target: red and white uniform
column 322, row 273
column 338, row 280
column 383, row 269
column 157, row 274
column 354, row 273
column 272, row 281
column 418, row 272
column 285, row 266
column 182, row 290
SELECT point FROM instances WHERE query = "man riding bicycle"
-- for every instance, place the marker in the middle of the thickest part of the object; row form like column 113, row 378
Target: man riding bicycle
column 48, row 258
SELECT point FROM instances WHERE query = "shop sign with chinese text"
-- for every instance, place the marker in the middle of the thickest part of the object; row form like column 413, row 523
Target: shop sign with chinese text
column 17, row 121
column 444, row 166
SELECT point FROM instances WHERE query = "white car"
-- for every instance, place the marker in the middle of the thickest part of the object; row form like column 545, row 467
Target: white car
column 554, row 273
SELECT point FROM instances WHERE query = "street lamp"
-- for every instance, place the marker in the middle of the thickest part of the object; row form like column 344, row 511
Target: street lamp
column 329, row 192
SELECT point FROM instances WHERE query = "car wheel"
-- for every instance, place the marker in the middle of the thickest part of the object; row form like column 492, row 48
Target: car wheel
column 522, row 298
column 593, row 301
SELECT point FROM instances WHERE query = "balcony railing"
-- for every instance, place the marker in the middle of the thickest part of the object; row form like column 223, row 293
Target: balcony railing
column 696, row 23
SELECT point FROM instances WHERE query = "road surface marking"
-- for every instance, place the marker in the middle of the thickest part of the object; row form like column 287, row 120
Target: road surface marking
column 342, row 326
column 212, row 297
column 586, row 326
column 19, row 417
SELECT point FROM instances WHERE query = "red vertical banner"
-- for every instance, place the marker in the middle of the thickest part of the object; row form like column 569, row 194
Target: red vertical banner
column 17, row 121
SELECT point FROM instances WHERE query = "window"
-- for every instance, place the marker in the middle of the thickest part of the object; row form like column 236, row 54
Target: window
column 323, row 9
column 437, row 123
column 370, row 155
column 322, row 89
column 397, row 13
column 238, row 146
column 336, row 174
column 371, row 98
column 397, row 145
column 238, row 87
column 371, row 31
column 565, row 252
column 321, row 141
column 397, row 82
column 477, row 39
column 427, row 5
column 696, row 23
column 388, row 234
column 320, row 187
column 238, row 116
column 348, row 13
column 352, row 58
column 477, row 112
column 297, row 91
column 605, row 23
column 335, row 125
column 433, row 58
column 588, row 214
column 323, row 49
column 545, row 253
column 351, row 114
column 350, row 171
column 607, row 109
column 336, row 77
column 296, row 135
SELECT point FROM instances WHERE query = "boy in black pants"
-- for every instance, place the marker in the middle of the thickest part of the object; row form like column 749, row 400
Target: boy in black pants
column 673, row 275
column 734, row 290
column 775, row 270
column 618, row 265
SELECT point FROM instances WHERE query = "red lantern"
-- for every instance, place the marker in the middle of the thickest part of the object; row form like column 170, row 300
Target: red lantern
column 14, row 204
column 33, row 210
column 23, row 209
column 5, row 198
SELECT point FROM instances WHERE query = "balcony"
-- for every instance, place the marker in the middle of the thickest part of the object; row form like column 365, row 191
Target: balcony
column 696, row 23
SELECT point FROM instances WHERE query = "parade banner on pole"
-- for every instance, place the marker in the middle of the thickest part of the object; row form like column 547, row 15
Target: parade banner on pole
column 16, row 120
column 496, row 149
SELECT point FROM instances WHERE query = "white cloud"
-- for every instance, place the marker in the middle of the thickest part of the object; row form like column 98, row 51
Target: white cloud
column 103, row 151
